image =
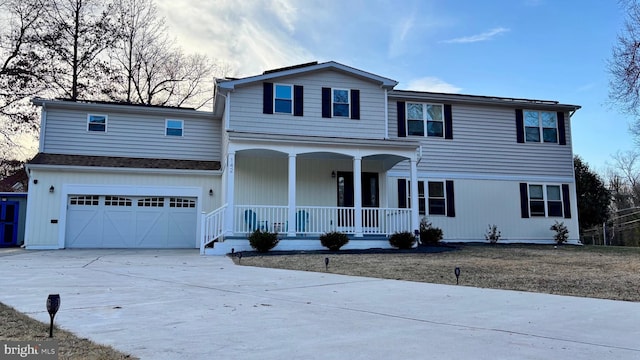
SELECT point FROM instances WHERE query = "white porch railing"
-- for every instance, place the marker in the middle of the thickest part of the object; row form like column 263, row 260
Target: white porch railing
column 310, row 220
column 320, row 219
column 212, row 227
column 249, row 218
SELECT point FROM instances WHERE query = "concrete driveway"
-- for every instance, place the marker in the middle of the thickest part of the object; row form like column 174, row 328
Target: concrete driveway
column 172, row 304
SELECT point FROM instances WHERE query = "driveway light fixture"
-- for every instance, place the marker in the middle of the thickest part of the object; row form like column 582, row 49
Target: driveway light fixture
column 53, row 304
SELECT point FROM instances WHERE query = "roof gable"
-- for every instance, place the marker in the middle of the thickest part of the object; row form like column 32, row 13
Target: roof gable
column 308, row 68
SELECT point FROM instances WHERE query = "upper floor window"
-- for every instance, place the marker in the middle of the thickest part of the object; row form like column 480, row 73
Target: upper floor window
column 97, row 123
column 344, row 103
column 174, row 127
column 283, row 99
column 425, row 119
column 340, row 102
column 541, row 126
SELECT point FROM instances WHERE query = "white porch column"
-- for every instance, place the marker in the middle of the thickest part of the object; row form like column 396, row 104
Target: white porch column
column 357, row 194
column 229, row 194
column 415, row 210
column 291, row 216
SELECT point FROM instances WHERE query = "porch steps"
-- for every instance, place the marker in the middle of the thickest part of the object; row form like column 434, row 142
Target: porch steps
column 308, row 243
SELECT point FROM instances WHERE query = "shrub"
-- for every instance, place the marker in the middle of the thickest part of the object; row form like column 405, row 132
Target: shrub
column 334, row 240
column 402, row 240
column 562, row 233
column 429, row 235
column 493, row 234
column 263, row 241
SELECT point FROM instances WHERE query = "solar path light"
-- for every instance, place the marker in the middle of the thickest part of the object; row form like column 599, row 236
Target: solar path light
column 457, row 272
column 326, row 264
column 53, row 304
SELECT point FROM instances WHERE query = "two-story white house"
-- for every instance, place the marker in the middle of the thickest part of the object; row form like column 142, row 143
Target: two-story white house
column 300, row 151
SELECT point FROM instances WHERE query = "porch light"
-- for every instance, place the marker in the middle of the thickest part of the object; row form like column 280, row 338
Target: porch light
column 457, row 272
column 210, row 192
column 52, row 189
column 333, row 174
column 53, row 304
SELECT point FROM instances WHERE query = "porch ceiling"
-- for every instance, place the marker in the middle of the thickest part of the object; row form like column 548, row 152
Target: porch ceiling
column 387, row 160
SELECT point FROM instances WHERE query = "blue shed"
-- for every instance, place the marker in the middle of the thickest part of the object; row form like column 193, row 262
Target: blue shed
column 13, row 213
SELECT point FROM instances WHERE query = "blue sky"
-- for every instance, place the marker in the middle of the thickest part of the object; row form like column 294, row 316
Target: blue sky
column 539, row 49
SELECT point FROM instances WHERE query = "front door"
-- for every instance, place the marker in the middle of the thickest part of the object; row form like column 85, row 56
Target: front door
column 345, row 194
column 8, row 223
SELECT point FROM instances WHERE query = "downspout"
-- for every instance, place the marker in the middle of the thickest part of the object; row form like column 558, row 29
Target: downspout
column 386, row 114
column 43, row 124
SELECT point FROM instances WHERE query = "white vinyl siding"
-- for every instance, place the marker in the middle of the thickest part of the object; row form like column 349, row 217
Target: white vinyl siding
column 484, row 142
column 45, row 207
column 482, row 202
column 131, row 135
column 247, row 116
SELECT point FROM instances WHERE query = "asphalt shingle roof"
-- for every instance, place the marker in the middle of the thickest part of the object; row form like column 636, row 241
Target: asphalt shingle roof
column 123, row 162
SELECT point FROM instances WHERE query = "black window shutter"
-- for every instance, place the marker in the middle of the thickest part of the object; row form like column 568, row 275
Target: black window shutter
column 267, row 98
column 562, row 136
column 402, row 193
column 298, row 100
column 355, row 104
column 402, row 120
column 326, row 102
column 520, row 126
column 448, row 122
column 524, row 200
column 451, row 202
column 566, row 201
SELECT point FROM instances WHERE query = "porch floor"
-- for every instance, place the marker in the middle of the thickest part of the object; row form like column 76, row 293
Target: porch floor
column 301, row 243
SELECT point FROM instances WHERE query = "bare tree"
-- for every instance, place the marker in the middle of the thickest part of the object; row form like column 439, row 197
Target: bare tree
column 77, row 33
column 140, row 25
column 20, row 71
column 624, row 65
column 624, row 179
column 152, row 70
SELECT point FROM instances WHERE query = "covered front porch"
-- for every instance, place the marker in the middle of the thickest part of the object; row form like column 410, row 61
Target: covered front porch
column 302, row 189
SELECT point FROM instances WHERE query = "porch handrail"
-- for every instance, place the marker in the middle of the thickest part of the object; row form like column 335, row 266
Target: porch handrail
column 212, row 226
column 378, row 221
column 316, row 220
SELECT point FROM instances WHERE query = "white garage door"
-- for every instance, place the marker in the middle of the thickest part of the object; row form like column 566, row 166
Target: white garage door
column 99, row 221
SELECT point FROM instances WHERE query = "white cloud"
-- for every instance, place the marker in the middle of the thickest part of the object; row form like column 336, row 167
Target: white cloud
column 248, row 35
column 487, row 35
column 398, row 35
column 586, row 87
column 432, row 84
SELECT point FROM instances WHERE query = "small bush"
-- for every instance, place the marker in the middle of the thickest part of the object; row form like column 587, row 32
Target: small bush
column 402, row 240
column 334, row 240
column 493, row 234
column 562, row 233
column 263, row 241
column 429, row 235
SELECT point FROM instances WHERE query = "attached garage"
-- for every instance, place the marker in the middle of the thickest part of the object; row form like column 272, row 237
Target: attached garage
column 118, row 221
